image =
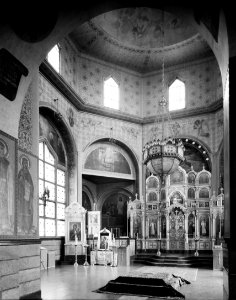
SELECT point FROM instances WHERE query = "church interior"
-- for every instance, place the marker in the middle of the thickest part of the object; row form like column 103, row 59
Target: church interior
column 116, row 148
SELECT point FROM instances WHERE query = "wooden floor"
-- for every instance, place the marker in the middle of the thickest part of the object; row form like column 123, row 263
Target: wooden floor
column 69, row 282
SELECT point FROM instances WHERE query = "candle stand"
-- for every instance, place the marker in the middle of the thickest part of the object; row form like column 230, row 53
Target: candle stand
column 196, row 250
column 75, row 264
column 159, row 247
column 114, row 257
column 86, row 262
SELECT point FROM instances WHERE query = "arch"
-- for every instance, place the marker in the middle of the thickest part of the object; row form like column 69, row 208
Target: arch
column 86, row 200
column 110, row 158
column 91, row 196
column 176, row 197
column 152, row 182
column 191, row 178
column 70, row 147
column 195, row 147
column 114, row 211
column 102, row 197
column 203, row 177
column 128, row 150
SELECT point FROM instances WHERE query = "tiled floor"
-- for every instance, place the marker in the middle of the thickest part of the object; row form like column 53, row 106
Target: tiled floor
column 69, row 282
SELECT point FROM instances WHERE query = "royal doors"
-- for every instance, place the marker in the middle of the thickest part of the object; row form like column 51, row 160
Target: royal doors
column 176, row 230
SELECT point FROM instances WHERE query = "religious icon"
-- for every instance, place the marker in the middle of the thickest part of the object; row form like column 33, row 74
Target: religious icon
column 25, row 197
column 75, row 231
column 203, row 227
column 152, row 228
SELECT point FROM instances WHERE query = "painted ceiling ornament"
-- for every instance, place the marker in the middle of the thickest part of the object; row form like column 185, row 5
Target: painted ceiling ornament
column 70, row 116
column 175, row 127
column 162, row 156
column 131, row 131
column 202, row 127
column 25, row 138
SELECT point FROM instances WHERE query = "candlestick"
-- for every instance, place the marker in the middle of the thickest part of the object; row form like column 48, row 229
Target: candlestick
column 76, row 239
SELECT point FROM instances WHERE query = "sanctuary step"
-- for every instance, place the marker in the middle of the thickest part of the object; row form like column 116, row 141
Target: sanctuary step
column 190, row 261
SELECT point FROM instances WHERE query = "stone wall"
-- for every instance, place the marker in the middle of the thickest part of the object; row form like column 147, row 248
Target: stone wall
column 56, row 245
column 19, row 269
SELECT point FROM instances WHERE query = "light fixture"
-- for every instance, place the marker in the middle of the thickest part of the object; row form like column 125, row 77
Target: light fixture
column 163, row 156
column 111, row 138
column 45, row 196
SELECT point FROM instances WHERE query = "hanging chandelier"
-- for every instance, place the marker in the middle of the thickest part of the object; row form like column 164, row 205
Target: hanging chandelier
column 162, row 156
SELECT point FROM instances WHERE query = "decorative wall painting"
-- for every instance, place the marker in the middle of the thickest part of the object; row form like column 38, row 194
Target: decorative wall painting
column 27, row 195
column 8, row 169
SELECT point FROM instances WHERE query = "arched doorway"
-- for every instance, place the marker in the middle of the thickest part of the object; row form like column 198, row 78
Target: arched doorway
column 114, row 214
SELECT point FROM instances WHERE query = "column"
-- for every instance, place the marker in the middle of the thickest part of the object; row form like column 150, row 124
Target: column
column 213, row 226
column 167, row 231
column 196, row 225
column 158, row 224
column 186, row 230
column 131, row 225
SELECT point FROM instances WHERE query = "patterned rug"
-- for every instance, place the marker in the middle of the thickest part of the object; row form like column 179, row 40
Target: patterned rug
column 162, row 285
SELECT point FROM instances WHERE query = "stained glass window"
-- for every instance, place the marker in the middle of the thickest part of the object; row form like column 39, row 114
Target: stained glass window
column 51, row 176
column 111, row 93
column 53, row 58
column 177, row 95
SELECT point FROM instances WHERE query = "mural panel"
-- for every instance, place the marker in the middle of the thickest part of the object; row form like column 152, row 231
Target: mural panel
column 27, row 195
column 107, row 158
column 194, row 158
column 48, row 131
column 8, row 171
column 114, row 212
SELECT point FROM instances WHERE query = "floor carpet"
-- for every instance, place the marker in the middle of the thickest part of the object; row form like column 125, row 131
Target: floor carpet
column 147, row 285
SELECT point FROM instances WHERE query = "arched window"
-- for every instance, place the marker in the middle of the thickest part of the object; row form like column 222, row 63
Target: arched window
column 204, row 178
column 152, row 183
column 52, row 176
column 111, row 93
column 53, row 58
column 177, row 95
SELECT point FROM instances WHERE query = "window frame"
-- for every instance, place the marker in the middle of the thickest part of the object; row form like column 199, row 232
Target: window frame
column 59, row 58
column 118, row 89
column 57, row 166
column 169, row 100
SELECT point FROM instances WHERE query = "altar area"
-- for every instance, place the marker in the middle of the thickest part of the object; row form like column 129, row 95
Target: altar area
column 184, row 214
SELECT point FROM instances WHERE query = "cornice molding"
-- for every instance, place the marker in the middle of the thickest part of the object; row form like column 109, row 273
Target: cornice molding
column 190, row 112
column 61, row 85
